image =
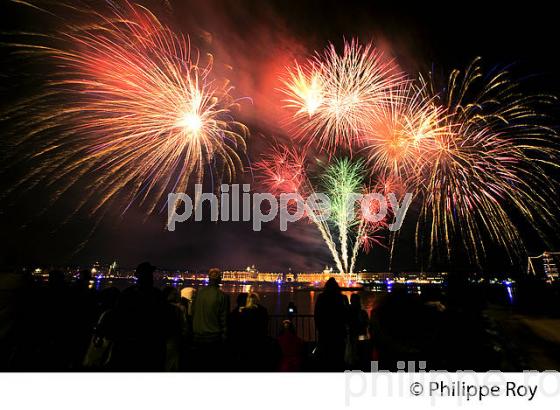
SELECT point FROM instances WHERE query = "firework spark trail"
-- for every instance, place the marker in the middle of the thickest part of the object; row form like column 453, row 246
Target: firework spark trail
column 472, row 153
column 491, row 159
column 369, row 227
column 336, row 96
column 366, row 238
column 342, row 179
column 403, row 134
column 137, row 111
column 283, row 170
column 323, row 228
column 403, row 130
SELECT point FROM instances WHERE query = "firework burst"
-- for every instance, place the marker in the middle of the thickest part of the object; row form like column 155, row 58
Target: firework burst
column 304, row 90
column 282, row 170
column 402, row 131
column 344, row 228
column 334, row 97
column 489, row 165
column 475, row 155
column 130, row 105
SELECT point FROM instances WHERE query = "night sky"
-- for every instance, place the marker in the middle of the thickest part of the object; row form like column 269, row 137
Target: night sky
column 252, row 42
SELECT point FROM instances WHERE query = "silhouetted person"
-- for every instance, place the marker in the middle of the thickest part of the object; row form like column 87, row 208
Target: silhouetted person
column 400, row 329
column 234, row 331
column 54, row 325
column 253, row 318
column 140, row 340
column 175, row 318
column 82, row 282
column 56, row 280
column 240, row 302
column 16, row 316
column 83, row 311
column 292, row 348
column 100, row 348
column 234, row 319
column 254, row 346
column 358, row 321
column 107, row 300
column 187, row 298
column 331, row 321
column 145, row 277
column 210, row 311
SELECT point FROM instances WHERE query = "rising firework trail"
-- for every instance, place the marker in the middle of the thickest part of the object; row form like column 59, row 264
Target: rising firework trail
column 345, row 229
column 341, row 180
column 284, row 170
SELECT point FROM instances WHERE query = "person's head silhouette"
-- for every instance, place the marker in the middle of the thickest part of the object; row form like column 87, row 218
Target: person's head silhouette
column 145, row 275
column 332, row 286
column 214, row 276
column 242, row 300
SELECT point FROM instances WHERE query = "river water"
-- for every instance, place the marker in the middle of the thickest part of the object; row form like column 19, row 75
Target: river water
column 274, row 297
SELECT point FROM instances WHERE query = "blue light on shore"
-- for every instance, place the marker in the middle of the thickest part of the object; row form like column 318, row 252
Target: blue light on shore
column 389, row 283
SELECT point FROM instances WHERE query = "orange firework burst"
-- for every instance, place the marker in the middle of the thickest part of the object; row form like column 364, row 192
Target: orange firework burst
column 402, row 131
column 129, row 105
column 336, row 96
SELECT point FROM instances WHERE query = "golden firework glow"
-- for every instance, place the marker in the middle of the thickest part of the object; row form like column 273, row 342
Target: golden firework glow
column 489, row 164
column 130, row 107
column 402, row 131
column 191, row 122
column 475, row 156
column 306, row 91
column 336, row 95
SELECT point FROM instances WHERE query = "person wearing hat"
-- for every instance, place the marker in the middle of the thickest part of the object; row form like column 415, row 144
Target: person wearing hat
column 210, row 311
